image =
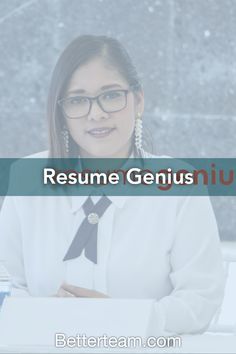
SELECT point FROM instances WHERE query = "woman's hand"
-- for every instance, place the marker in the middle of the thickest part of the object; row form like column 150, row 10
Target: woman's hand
column 67, row 290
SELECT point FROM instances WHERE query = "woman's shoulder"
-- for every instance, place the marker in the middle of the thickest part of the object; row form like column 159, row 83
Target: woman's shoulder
column 41, row 155
column 149, row 155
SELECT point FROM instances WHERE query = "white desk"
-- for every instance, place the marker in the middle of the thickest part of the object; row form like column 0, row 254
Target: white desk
column 26, row 318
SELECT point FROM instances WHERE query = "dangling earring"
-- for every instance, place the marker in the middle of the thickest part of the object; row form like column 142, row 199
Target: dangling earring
column 138, row 130
column 65, row 137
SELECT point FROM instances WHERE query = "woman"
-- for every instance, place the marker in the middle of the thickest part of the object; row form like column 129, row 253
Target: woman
column 146, row 247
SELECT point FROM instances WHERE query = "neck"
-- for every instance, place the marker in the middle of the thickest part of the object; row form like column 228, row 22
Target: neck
column 124, row 152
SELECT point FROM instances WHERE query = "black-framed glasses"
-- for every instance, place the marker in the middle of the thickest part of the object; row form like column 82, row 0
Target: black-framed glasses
column 80, row 106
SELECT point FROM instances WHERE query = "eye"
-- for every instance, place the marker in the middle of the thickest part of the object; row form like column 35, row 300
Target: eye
column 112, row 95
column 77, row 100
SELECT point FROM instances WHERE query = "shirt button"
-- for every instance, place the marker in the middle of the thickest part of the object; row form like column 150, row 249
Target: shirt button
column 93, row 218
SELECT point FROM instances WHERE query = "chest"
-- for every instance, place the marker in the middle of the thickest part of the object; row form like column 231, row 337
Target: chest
column 133, row 244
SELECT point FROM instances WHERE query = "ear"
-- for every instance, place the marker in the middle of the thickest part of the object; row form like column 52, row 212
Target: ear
column 139, row 102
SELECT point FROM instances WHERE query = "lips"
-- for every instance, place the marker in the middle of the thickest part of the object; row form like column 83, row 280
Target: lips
column 100, row 132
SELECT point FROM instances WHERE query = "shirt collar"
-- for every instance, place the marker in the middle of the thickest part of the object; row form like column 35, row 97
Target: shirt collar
column 76, row 202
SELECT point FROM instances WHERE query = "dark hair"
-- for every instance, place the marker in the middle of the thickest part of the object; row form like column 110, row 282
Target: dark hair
column 78, row 52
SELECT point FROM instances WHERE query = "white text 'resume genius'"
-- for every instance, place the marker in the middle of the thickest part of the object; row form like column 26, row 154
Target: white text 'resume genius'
column 132, row 176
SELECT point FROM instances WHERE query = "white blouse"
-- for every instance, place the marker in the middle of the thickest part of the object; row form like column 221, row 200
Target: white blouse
column 164, row 248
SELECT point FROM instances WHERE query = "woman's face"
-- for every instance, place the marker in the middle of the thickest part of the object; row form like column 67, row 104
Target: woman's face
column 102, row 134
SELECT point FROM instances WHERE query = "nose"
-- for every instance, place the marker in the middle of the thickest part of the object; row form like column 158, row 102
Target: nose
column 96, row 112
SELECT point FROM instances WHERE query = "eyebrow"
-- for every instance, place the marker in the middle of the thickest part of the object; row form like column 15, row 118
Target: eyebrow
column 103, row 88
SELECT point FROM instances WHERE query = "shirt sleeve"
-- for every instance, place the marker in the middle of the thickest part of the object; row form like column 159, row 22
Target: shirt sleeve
column 11, row 250
column 197, row 274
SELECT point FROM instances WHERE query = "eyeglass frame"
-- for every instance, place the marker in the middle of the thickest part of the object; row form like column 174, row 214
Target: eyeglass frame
column 94, row 98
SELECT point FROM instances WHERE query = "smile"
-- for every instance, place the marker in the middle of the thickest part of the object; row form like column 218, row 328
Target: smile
column 100, row 132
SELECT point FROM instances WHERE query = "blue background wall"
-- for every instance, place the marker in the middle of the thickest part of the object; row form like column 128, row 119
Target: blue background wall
column 185, row 51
